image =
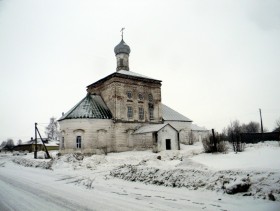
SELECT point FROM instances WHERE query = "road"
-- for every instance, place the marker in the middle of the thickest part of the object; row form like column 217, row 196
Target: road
column 25, row 188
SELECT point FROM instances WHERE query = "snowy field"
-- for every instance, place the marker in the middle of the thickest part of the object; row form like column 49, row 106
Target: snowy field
column 172, row 180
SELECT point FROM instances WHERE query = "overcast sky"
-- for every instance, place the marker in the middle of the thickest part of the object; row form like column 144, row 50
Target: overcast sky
column 218, row 60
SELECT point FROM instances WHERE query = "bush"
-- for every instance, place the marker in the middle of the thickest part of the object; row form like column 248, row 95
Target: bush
column 238, row 146
column 209, row 146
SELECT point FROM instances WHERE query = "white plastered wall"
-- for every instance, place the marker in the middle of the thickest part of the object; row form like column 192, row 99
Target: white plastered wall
column 167, row 132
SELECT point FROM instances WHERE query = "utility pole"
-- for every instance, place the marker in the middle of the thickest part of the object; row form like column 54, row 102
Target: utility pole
column 35, row 151
column 261, row 120
column 36, row 148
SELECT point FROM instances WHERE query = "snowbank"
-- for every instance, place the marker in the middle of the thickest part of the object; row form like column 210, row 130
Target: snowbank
column 259, row 184
column 254, row 172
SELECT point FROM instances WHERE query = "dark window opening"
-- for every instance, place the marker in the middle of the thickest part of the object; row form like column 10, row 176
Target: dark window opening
column 140, row 96
column 129, row 95
column 79, row 142
column 141, row 113
column 121, row 62
column 151, row 111
column 129, row 112
column 150, row 98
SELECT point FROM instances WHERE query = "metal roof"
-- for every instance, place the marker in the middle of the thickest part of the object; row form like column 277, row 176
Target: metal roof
column 197, row 128
column 168, row 114
column 122, row 47
column 124, row 74
column 90, row 107
column 130, row 73
column 151, row 128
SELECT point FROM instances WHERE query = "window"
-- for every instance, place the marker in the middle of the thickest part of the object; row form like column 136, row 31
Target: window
column 79, row 142
column 150, row 98
column 140, row 96
column 129, row 94
column 129, row 112
column 151, row 112
column 121, row 62
column 141, row 113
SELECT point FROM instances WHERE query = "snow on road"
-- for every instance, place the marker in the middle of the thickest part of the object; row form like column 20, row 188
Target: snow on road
column 75, row 183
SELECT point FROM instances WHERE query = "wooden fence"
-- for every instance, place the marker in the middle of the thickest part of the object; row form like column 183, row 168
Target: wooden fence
column 258, row 137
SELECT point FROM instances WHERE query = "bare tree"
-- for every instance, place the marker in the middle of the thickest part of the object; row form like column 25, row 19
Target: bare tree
column 233, row 135
column 277, row 126
column 19, row 142
column 10, row 144
column 52, row 131
column 251, row 127
column 3, row 144
column 208, row 144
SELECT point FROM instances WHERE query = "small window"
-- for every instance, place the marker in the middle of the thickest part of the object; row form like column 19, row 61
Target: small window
column 150, row 98
column 129, row 95
column 141, row 113
column 129, row 112
column 121, row 62
column 140, row 96
column 79, row 142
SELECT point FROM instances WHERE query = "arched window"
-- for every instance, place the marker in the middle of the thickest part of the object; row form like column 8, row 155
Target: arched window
column 151, row 111
column 150, row 98
column 140, row 96
column 121, row 62
column 129, row 112
column 129, row 94
column 79, row 142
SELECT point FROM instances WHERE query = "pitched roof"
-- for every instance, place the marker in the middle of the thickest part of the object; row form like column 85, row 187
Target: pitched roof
column 151, row 128
column 197, row 128
column 125, row 74
column 130, row 73
column 168, row 114
column 90, row 107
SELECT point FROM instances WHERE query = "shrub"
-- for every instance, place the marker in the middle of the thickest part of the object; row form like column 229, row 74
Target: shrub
column 238, row 146
column 209, row 146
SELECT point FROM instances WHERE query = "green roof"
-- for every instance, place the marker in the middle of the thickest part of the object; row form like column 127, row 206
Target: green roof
column 90, row 107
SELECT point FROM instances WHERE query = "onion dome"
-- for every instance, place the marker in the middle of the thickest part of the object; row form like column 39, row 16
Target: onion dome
column 122, row 47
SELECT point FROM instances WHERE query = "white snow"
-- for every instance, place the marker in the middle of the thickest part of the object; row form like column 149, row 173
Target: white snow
column 262, row 156
column 75, row 182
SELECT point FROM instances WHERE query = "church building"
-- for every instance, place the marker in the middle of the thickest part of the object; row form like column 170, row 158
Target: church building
column 123, row 112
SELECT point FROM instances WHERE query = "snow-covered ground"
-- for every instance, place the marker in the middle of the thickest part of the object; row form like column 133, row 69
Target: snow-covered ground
column 172, row 180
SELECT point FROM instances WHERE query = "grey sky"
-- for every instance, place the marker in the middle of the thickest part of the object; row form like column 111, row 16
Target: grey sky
column 218, row 60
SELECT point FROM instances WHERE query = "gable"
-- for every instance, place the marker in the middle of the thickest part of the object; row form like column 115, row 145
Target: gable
column 152, row 128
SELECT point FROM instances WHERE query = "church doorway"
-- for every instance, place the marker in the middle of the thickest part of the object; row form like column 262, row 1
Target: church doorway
column 168, row 144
